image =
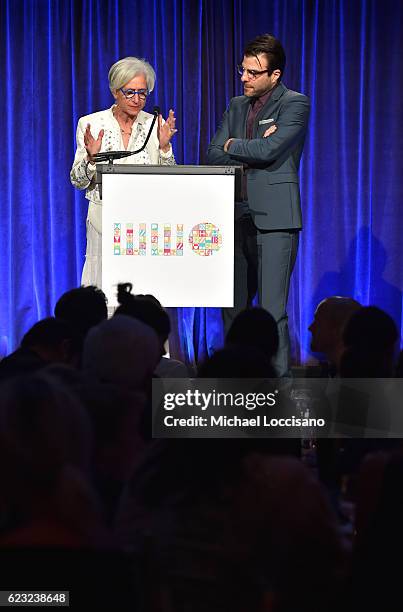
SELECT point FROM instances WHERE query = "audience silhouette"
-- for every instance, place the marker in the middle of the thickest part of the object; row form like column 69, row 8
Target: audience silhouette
column 147, row 308
column 330, row 319
column 369, row 337
column 48, row 341
column 217, row 525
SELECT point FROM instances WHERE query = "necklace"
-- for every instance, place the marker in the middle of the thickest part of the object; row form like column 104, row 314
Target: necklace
column 121, row 129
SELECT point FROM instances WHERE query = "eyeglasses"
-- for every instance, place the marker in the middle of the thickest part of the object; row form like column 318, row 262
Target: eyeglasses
column 251, row 74
column 130, row 93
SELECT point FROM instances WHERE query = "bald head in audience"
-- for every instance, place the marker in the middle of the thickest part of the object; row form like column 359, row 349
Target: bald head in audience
column 331, row 317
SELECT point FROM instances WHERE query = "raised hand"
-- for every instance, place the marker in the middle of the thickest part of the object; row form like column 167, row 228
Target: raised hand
column 91, row 144
column 166, row 131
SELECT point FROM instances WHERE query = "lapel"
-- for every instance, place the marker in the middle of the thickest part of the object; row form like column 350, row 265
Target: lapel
column 270, row 104
column 243, row 113
column 142, row 117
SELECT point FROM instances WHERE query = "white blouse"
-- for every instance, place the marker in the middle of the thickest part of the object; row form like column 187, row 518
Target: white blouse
column 82, row 173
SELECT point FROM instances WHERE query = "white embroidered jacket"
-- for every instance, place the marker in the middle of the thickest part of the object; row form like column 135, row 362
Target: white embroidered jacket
column 82, row 173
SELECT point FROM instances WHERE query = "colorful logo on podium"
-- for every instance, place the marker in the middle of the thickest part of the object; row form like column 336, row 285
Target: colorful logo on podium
column 204, row 239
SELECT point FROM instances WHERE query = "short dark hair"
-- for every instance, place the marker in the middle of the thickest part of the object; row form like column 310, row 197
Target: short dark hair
column 255, row 327
column 49, row 332
column 271, row 47
column 83, row 307
column 370, row 329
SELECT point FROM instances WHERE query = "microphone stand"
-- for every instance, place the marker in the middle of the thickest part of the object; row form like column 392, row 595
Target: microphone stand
column 109, row 156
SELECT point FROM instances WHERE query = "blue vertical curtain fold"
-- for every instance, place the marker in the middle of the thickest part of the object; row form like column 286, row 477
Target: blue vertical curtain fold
column 347, row 56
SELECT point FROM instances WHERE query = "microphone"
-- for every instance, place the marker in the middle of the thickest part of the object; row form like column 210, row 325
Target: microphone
column 111, row 155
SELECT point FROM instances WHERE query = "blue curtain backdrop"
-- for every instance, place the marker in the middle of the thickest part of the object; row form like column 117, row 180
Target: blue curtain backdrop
column 347, row 56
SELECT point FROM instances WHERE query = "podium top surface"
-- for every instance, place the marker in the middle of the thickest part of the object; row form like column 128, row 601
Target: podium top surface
column 177, row 169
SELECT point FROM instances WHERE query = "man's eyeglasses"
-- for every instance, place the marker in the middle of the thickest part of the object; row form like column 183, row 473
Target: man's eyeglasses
column 251, row 74
column 130, row 93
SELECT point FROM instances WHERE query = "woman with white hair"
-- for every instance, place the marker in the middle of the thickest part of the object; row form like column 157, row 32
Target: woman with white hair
column 123, row 126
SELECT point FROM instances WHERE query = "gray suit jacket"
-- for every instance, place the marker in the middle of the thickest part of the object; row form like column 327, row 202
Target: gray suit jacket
column 273, row 162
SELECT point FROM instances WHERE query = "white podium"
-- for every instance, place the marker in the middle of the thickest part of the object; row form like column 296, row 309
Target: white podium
column 169, row 230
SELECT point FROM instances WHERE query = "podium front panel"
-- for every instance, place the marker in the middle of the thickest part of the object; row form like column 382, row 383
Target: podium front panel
column 170, row 235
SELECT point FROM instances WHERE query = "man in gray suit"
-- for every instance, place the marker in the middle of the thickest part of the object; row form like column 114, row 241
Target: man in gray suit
column 264, row 131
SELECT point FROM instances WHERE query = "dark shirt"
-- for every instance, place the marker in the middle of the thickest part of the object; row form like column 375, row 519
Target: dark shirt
column 256, row 105
column 22, row 361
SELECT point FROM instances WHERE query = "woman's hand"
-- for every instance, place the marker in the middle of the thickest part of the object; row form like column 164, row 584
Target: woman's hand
column 166, row 131
column 92, row 146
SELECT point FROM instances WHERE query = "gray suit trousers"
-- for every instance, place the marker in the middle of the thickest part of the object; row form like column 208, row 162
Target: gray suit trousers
column 264, row 261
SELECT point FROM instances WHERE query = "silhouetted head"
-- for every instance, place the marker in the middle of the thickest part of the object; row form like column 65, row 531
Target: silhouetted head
column 255, row 327
column 83, row 307
column 369, row 337
column 371, row 328
column 145, row 308
column 237, row 362
column 328, row 325
column 53, row 340
column 122, row 351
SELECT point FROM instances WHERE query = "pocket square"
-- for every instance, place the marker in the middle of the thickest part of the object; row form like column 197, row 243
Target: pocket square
column 262, row 121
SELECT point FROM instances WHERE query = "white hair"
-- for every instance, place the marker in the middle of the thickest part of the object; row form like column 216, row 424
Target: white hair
column 122, row 351
column 126, row 69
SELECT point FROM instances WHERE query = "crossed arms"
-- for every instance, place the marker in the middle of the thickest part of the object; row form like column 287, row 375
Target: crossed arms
column 291, row 126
